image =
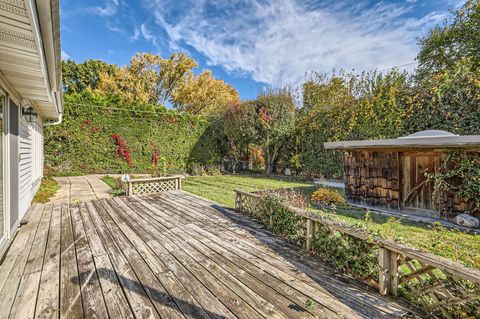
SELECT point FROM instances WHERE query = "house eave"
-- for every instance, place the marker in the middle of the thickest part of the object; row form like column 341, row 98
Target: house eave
column 30, row 56
column 466, row 141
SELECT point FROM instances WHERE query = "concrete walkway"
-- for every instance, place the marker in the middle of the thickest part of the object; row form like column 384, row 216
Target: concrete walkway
column 80, row 188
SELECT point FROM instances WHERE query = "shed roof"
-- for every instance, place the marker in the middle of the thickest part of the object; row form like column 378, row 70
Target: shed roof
column 419, row 140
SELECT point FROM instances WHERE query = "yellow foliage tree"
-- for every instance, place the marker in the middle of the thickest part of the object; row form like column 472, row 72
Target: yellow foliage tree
column 148, row 78
column 203, row 94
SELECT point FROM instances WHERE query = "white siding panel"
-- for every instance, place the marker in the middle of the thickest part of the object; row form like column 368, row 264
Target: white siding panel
column 24, row 167
column 37, row 157
column 30, row 162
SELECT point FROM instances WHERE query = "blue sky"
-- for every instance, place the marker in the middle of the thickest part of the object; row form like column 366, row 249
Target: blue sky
column 253, row 43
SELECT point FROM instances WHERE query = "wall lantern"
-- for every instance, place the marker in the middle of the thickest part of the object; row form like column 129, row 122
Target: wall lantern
column 29, row 114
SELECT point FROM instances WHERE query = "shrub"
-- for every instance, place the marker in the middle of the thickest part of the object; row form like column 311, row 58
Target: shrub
column 279, row 219
column 291, row 196
column 213, row 170
column 346, row 253
column 327, row 197
column 256, row 157
column 160, row 169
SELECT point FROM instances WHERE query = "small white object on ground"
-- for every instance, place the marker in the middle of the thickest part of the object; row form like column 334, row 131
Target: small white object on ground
column 288, row 172
column 466, row 220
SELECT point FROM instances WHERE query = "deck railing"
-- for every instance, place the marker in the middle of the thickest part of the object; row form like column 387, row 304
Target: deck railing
column 154, row 185
column 440, row 286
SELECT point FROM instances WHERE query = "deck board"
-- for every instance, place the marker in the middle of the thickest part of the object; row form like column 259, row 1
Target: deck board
column 169, row 255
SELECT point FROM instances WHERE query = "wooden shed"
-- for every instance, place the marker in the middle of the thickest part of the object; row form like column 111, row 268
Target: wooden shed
column 391, row 173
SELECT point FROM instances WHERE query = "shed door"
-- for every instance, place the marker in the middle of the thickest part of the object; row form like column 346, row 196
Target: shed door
column 417, row 191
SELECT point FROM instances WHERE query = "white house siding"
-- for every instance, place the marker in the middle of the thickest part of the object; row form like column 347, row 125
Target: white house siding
column 37, row 153
column 30, row 163
column 30, row 76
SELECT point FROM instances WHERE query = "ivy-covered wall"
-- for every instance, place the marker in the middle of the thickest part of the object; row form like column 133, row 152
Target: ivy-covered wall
column 105, row 134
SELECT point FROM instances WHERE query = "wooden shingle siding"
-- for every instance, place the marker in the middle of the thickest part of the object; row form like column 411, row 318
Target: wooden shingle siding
column 398, row 180
column 372, row 178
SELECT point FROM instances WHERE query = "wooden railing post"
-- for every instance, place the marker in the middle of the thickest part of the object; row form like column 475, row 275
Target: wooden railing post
column 238, row 202
column 129, row 189
column 383, row 271
column 309, row 234
column 388, row 277
column 393, row 272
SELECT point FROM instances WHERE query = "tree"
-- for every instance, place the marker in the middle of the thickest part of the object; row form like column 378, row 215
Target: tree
column 347, row 106
column 448, row 101
column 203, row 94
column 454, row 41
column 148, row 78
column 78, row 77
column 275, row 120
column 239, row 126
column 173, row 72
column 446, row 94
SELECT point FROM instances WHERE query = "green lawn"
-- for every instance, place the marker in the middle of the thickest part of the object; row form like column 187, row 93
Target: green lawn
column 451, row 244
column 221, row 188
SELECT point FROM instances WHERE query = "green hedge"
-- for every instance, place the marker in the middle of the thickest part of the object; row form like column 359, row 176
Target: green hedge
column 83, row 143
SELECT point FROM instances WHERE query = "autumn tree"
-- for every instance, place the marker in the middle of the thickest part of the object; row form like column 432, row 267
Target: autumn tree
column 148, row 78
column 173, row 73
column 202, row 94
column 78, row 77
column 275, row 122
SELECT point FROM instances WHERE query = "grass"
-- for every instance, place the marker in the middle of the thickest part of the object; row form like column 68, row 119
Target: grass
column 110, row 181
column 452, row 244
column 115, row 184
column 47, row 190
column 221, row 189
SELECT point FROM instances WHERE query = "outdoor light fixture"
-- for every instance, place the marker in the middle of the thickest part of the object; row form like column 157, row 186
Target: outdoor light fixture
column 29, row 114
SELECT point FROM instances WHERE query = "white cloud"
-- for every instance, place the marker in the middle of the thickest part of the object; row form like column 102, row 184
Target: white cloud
column 136, row 34
column 108, row 10
column 64, row 55
column 278, row 41
column 146, row 34
column 114, row 28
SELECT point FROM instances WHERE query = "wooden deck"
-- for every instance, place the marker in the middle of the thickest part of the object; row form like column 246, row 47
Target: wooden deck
column 172, row 255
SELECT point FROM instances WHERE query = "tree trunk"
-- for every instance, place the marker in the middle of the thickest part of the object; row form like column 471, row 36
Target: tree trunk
column 271, row 158
column 269, row 166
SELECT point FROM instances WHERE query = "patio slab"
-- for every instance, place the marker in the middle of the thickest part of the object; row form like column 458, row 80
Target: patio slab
column 80, row 188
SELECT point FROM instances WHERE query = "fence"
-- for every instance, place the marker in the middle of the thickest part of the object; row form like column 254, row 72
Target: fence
column 441, row 287
column 154, row 185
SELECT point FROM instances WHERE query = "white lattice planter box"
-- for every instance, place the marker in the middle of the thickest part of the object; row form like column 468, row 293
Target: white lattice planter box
column 154, row 185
